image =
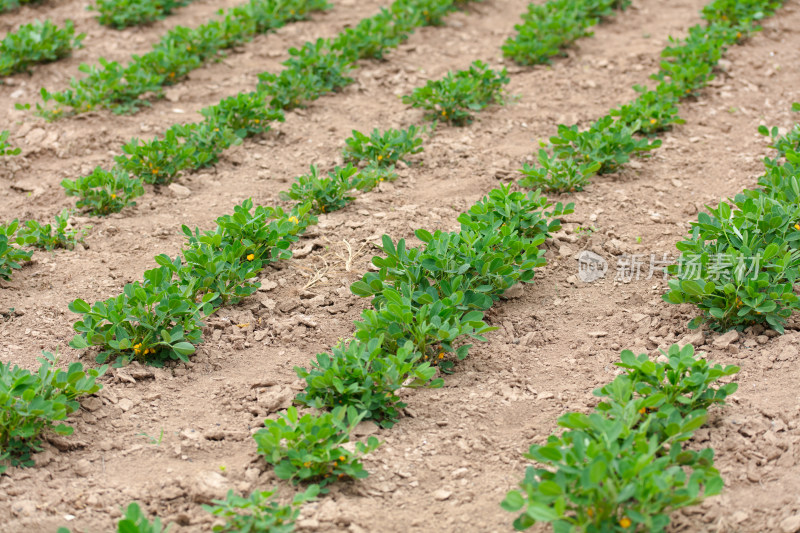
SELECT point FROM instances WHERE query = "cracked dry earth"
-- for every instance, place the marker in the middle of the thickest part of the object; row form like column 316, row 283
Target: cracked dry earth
column 449, row 462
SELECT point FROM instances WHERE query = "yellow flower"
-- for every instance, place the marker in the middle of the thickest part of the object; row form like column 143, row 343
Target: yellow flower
column 797, row 227
column 293, row 219
column 653, row 121
column 625, row 522
column 250, row 257
column 380, row 157
column 341, row 458
column 257, row 121
column 643, row 411
column 738, row 35
column 307, row 464
column 444, row 113
column 441, row 355
column 113, row 196
column 590, row 512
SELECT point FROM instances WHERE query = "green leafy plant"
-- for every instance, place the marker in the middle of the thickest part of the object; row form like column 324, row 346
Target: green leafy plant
column 134, row 521
column 157, row 161
column 558, row 175
column 247, row 114
column 121, row 14
column 383, row 149
column 31, row 403
column 49, row 237
column 312, row 70
column 154, row 321
column 548, row 29
column 741, row 260
column 365, row 376
column 325, row 194
column 10, row 255
column 9, row 5
column 624, row 467
column 5, row 147
column 37, row 42
column 259, row 512
column 607, row 141
column 104, row 192
column 120, row 88
column 225, row 261
column 311, row 448
column 458, row 95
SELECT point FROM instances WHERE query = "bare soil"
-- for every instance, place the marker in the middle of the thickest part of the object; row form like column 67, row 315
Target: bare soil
column 448, row 463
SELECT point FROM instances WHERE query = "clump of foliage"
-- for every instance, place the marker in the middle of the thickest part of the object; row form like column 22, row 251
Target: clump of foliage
column 37, row 42
column 31, row 403
column 456, row 97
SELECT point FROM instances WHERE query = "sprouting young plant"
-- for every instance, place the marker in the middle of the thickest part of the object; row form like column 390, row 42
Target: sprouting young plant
column 49, row 237
column 383, row 149
column 367, row 377
column 458, row 95
column 10, row 255
column 121, row 14
column 325, row 194
column 37, row 42
column 104, row 192
column 31, row 403
column 312, row 448
column 135, row 521
column 5, row 147
column 259, row 512
column 558, row 175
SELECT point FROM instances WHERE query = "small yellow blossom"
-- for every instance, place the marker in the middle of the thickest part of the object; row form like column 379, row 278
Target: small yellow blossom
column 250, row 257
column 625, row 522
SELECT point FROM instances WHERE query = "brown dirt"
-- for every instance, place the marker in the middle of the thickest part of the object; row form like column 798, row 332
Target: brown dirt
column 555, row 342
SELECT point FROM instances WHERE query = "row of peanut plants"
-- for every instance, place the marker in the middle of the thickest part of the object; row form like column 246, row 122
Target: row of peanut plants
column 121, row 14
column 629, row 463
column 122, row 88
column 572, row 157
column 310, row 448
column 623, row 468
column 35, row 43
column 741, row 260
column 316, row 69
column 426, row 303
column 313, row 448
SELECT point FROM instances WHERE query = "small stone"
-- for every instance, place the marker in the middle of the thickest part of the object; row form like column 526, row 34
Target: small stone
column 209, row 486
column 442, row 495
column 83, row 468
column 598, row 334
column 460, row 473
column 92, row 403
column 546, row 396
column 565, row 251
column 179, row 190
column 695, row 339
column 791, row 524
column 310, row 524
column 726, row 339
column 125, row 404
column 365, row 428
